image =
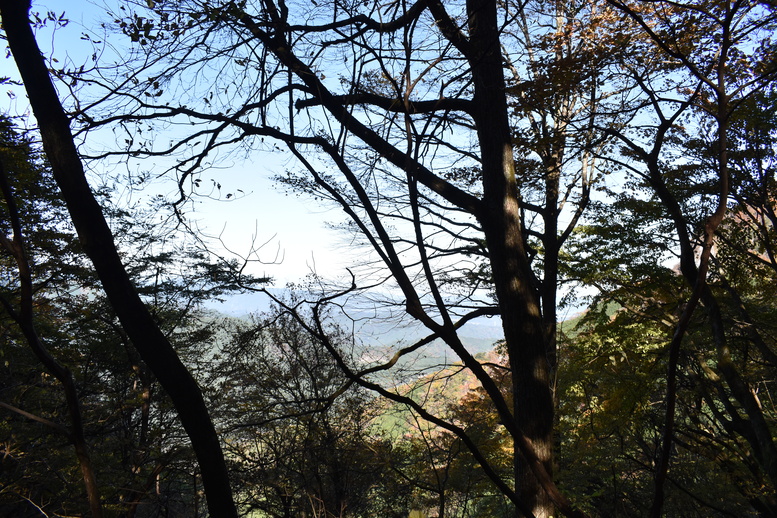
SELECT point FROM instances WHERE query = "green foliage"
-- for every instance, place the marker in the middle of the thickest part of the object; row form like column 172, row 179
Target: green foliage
column 614, row 364
column 612, row 407
column 139, row 451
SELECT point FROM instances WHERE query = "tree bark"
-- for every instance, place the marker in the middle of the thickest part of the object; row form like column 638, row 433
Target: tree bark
column 97, row 240
column 501, row 221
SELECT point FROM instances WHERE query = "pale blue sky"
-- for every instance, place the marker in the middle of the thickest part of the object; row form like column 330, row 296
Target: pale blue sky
column 293, row 230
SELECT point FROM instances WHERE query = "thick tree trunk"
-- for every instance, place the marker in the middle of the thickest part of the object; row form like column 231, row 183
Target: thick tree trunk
column 97, row 240
column 527, row 347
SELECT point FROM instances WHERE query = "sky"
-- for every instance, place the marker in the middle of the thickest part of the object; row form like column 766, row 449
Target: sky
column 286, row 236
column 293, row 231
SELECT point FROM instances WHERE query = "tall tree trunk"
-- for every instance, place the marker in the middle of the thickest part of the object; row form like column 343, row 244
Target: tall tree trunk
column 501, row 221
column 97, row 240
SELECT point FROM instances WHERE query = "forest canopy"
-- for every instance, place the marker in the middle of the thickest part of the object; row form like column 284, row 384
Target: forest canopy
column 499, row 162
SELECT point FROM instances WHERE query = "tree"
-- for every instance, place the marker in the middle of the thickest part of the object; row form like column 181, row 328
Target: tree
column 421, row 133
column 19, row 162
column 299, row 434
column 724, row 79
column 81, row 381
column 97, row 242
column 684, row 181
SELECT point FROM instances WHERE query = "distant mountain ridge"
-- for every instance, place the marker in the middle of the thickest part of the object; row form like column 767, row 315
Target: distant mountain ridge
column 479, row 335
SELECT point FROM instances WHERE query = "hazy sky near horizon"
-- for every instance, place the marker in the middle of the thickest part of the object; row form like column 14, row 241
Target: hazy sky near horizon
column 292, row 231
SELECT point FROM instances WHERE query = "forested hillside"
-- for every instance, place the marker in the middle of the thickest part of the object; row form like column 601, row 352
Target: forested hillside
column 490, row 167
